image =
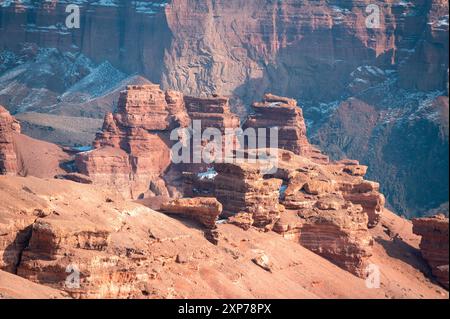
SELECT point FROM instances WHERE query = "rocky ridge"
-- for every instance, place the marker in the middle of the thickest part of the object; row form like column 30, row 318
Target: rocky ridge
column 325, row 207
column 319, row 52
column 119, row 249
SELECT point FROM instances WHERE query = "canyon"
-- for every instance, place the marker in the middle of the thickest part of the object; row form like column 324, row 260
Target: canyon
column 123, row 221
column 366, row 93
column 352, row 202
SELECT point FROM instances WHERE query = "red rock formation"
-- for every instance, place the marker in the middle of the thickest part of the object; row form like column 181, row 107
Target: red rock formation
column 288, row 37
column 120, row 249
column 203, row 209
column 22, row 155
column 334, row 229
column 283, row 113
column 241, row 187
column 133, row 148
column 328, row 210
column 242, row 220
column 8, row 156
column 434, row 245
column 213, row 112
column 308, row 182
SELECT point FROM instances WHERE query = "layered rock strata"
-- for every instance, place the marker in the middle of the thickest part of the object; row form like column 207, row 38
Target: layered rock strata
column 241, row 187
column 434, row 245
column 90, row 243
column 205, row 210
column 8, row 157
column 336, row 230
column 308, row 183
column 283, row 113
column 327, row 208
column 213, row 112
column 133, row 148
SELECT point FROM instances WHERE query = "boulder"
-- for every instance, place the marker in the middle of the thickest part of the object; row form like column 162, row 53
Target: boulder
column 203, row 209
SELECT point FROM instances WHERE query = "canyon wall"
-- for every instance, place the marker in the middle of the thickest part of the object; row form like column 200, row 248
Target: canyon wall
column 319, row 52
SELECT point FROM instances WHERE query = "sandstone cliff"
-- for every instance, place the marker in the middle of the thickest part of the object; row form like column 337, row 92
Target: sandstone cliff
column 434, row 245
column 133, row 148
column 319, row 52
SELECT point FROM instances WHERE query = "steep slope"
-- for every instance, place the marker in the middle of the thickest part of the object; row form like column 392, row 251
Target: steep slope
column 14, row 287
column 406, row 148
column 59, row 129
column 126, row 250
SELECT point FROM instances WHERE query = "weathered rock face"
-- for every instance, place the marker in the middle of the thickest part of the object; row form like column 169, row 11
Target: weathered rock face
column 142, row 56
column 16, row 233
column 434, row 245
column 90, row 243
column 309, row 183
column 241, row 187
column 284, row 114
column 205, row 210
column 290, row 47
column 24, row 156
column 287, row 47
column 319, row 52
column 133, row 148
column 334, row 229
column 329, row 208
column 8, row 156
column 213, row 112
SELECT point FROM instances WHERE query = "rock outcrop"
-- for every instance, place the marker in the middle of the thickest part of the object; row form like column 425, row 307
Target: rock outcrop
column 283, row 113
column 105, row 247
column 326, row 207
column 309, row 183
column 434, row 245
column 320, row 213
column 24, row 156
column 334, row 229
column 213, row 112
column 8, row 157
column 241, row 187
column 318, row 52
column 133, row 148
column 203, row 209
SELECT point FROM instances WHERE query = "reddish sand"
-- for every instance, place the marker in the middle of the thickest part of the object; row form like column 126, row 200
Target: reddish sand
column 15, row 287
column 38, row 158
